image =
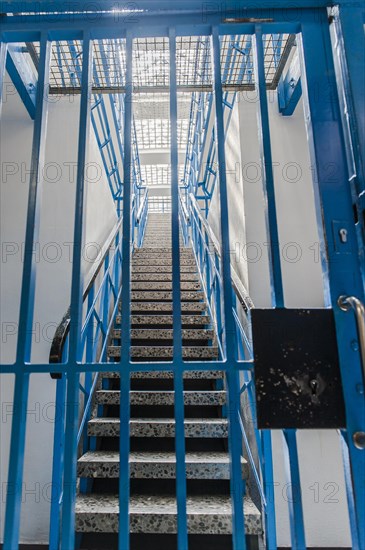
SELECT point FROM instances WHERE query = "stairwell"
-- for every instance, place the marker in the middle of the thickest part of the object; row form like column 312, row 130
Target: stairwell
column 153, row 513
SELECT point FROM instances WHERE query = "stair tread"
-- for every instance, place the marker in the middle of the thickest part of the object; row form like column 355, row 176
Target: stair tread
column 163, row 277
column 165, row 421
column 192, row 374
column 158, row 397
column 160, row 427
column 168, row 320
column 211, row 465
column 206, row 514
column 150, row 295
column 165, row 307
column 164, row 285
column 167, row 351
column 166, row 334
column 209, row 457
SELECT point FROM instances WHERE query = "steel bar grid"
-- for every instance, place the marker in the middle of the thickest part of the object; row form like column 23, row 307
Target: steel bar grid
column 323, row 119
column 151, row 62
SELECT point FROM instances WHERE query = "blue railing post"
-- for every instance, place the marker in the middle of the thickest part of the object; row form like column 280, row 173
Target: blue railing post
column 57, row 466
column 124, row 366
column 268, row 483
column 235, row 440
column 182, row 532
column 24, row 344
column 294, row 490
column 75, row 355
column 268, row 174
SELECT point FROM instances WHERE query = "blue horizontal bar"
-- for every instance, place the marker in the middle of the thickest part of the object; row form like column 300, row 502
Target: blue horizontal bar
column 229, row 7
column 71, row 27
column 134, row 367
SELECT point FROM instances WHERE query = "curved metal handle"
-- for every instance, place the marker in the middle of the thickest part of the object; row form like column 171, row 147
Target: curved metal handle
column 351, row 302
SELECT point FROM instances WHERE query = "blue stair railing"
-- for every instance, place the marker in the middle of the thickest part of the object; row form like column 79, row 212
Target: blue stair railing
column 207, row 251
column 101, row 301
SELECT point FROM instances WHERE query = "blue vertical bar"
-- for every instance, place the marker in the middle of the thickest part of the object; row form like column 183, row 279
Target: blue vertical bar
column 182, row 533
column 268, row 482
column 267, row 171
column 352, row 19
column 234, row 437
column 75, row 353
column 126, row 309
column 3, row 54
column 349, row 492
column 18, row 430
column 294, row 495
column 58, row 456
column 327, row 148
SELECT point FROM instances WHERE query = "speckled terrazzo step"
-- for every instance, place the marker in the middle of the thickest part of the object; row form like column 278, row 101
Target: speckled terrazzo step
column 160, row 240
column 160, row 427
column 164, row 307
column 189, row 374
column 151, row 296
column 163, row 277
column 165, row 285
column 166, row 334
column 162, row 262
column 151, row 397
column 211, row 514
column 160, row 320
column 166, row 253
column 165, row 352
column 159, row 465
column 148, row 268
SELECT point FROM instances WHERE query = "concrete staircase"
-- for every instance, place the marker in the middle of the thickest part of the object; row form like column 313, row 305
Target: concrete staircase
column 153, row 515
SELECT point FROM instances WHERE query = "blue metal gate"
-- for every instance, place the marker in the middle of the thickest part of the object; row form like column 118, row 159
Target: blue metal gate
column 338, row 200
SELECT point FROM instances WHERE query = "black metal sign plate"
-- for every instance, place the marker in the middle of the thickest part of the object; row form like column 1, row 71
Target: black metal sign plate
column 297, row 375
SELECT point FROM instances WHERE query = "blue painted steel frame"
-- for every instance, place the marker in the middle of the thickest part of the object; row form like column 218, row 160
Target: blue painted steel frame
column 328, row 149
column 23, row 78
column 124, row 366
column 182, row 529
column 75, row 353
column 23, row 354
column 234, row 435
column 324, row 128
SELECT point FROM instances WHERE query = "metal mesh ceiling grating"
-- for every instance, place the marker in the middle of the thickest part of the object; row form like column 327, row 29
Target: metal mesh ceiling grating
column 151, row 62
column 158, row 174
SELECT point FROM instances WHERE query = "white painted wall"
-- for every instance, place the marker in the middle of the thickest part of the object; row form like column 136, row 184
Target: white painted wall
column 53, row 279
column 323, row 486
column 237, row 229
